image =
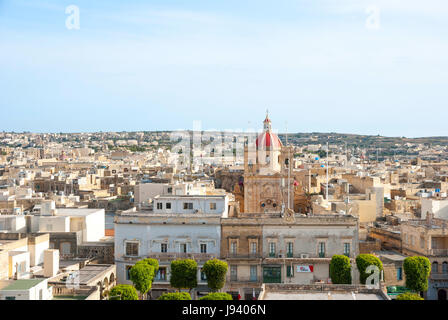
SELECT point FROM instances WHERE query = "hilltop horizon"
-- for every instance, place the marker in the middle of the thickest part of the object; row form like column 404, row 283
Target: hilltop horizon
column 234, row 132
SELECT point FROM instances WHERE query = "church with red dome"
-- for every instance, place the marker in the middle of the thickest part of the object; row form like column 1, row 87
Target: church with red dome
column 268, row 139
column 266, row 176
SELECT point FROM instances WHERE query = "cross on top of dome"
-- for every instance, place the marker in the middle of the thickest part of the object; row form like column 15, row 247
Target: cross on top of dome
column 268, row 139
column 267, row 122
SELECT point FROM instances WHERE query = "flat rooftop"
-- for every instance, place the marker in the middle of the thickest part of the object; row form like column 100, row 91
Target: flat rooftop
column 390, row 255
column 85, row 275
column 3, row 242
column 16, row 253
column 67, row 297
column 321, row 296
column 22, row 284
column 206, row 196
column 67, row 263
column 152, row 214
column 76, row 211
column 12, row 216
column 90, row 272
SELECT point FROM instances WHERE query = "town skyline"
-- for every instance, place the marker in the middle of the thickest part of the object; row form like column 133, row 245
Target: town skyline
column 218, row 130
column 291, row 150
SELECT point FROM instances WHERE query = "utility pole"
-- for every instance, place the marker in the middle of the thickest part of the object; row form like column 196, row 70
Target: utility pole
column 346, row 155
column 326, row 191
column 347, row 200
column 289, row 167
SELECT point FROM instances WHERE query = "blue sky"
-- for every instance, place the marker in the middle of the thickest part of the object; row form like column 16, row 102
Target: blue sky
column 160, row 65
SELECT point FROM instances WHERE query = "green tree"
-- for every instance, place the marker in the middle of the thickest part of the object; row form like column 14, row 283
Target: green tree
column 141, row 275
column 175, row 296
column 323, row 153
column 153, row 263
column 184, row 274
column 417, row 270
column 363, row 261
column 215, row 270
column 217, row 296
column 409, row 296
column 123, row 292
column 340, row 270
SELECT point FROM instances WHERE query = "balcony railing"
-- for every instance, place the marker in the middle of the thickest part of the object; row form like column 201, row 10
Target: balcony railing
column 297, row 256
column 243, row 256
column 181, row 255
column 438, row 252
column 439, row 276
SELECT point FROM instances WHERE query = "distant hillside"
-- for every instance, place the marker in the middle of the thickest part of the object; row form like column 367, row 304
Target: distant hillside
column 363, row 141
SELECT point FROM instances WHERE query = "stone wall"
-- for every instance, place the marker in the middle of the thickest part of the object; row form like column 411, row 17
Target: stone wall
column 60, row 239
column 390, row 275
column 111, row 205
column 325, row 287
column 89, row 292
column 103, row 253
column 389, row 240
column 226, row 180
column 243, row 234
column 369, row 246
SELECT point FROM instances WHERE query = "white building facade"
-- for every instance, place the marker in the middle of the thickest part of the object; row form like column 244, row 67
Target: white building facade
column 180, row 227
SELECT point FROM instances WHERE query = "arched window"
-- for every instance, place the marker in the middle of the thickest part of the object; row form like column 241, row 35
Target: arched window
column 435, row 267
column 445, row 267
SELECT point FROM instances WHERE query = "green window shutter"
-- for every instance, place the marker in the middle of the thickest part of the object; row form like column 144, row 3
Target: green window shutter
column 289, row 271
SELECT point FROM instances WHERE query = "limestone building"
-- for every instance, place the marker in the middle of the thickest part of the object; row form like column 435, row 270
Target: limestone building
column 268, row 242
column 267, row 173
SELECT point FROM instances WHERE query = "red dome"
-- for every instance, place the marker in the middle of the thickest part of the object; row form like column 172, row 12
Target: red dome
column 268, row 140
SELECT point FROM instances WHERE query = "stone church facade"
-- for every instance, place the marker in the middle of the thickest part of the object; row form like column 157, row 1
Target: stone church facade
column 269, row 241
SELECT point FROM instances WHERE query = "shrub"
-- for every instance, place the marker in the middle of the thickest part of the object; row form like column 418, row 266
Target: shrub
column 175, row 296
column 141, row 275
column 340, row 270
column 215, row 270
column 409, row 296
column 184, row 274
column 417, row 270
column 217, row 296
column 123, row 292
column 363, row 261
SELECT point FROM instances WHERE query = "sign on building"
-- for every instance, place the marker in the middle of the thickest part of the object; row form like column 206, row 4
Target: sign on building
column 306, row 268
